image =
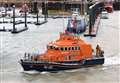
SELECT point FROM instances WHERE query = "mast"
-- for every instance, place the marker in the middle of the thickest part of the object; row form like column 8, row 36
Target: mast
column 63, row 13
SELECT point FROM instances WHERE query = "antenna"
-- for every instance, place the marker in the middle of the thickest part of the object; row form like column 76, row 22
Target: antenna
column 63, row 14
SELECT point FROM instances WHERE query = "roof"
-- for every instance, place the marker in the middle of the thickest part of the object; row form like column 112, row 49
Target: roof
column 68, row 40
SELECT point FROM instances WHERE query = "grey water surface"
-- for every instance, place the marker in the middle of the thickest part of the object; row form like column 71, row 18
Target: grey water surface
column 13, row 47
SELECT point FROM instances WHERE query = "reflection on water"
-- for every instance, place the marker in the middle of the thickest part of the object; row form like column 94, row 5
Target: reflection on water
column 12, row 48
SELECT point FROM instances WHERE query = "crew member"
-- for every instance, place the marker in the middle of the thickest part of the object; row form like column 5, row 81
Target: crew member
column 98, row 50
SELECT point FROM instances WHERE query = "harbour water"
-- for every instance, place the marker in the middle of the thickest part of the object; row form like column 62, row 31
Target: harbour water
column 13, row 47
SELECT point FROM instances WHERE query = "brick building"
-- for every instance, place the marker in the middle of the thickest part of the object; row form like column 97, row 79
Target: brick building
column 52, row 5
column 18, row 3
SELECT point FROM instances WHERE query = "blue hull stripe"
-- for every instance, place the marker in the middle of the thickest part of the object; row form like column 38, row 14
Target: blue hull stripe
column 61, row 66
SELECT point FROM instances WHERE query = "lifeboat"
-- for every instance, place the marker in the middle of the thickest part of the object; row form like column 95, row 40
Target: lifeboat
column 68, row 52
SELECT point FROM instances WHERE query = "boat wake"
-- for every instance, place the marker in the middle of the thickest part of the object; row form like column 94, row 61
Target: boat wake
column 31, row 72
column 109, row 61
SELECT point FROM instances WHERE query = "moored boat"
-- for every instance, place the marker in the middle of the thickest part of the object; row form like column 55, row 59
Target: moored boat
column 109, row 7
column 76, row 24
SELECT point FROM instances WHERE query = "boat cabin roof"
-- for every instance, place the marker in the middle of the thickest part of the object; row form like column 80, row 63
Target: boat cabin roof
column 68, row 40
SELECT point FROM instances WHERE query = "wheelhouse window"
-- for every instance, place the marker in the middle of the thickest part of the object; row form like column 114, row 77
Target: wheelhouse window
column 52, row 47
column 78, row 48
column 65, row 48
column 69, row 48
column 72, row 48
column 62, row 49
column 49, row 47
